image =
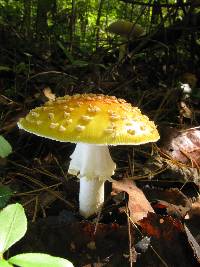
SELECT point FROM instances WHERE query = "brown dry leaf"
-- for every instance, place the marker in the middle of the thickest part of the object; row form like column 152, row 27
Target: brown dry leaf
column 48, row 93
column 169, row 242
column 193, row 220
column 183, row 172
column 193, row 243
column 138, row 205
column 170, row 201
column 195, row 210
column 182, row 146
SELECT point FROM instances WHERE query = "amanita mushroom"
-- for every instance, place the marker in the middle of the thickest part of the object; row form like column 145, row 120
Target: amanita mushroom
column 127, row 31
column 92, row 122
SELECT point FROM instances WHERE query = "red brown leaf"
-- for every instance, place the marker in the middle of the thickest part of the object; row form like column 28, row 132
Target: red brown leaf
column 138, row 205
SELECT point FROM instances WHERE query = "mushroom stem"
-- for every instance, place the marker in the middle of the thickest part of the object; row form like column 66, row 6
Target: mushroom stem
column 93, row 165
column 91, row 196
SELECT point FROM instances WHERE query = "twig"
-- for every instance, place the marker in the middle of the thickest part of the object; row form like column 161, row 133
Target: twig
column 35, row 209
column 160, row 258
column 129, row 238
column 69, row 204
column 161, row 5
column 52, row 72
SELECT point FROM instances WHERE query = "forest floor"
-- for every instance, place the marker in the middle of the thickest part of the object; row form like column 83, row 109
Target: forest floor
column 151, row 222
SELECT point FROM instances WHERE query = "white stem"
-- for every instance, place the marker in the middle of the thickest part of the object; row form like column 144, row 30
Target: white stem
column 93, row 165
column 91, row 196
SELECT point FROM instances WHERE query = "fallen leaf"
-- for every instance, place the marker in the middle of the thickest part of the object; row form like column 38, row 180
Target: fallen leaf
column 193, row 243
column 5, row 147
column 169, row 244
column 169, row 201
column 195, row 210
column 193, row 220
column 183, row 172
column 138, row 205
column 183, row 146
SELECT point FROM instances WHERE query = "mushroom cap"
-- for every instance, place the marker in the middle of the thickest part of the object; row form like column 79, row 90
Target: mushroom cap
column 125, row 28
column 90, row 118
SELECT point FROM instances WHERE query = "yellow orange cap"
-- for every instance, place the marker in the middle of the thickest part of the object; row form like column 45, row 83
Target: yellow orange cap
column 90, row 118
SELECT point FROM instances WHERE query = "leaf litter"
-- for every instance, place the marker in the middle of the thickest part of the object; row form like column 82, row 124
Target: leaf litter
column 154, row 225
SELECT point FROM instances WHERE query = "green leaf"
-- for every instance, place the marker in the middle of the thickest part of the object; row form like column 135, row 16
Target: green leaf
column 5, row 68
column 5, row 194
column 66, row 52
column 39, row 260
column 13, row 224
column 5, row 147
column 4, row 263
column 80, row 63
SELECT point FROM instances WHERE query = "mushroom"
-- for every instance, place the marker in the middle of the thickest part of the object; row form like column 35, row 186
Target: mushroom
column 127, row 30
column 92, row 121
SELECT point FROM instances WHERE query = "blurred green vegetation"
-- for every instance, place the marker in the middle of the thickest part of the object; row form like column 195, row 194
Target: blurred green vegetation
column 81, row 22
